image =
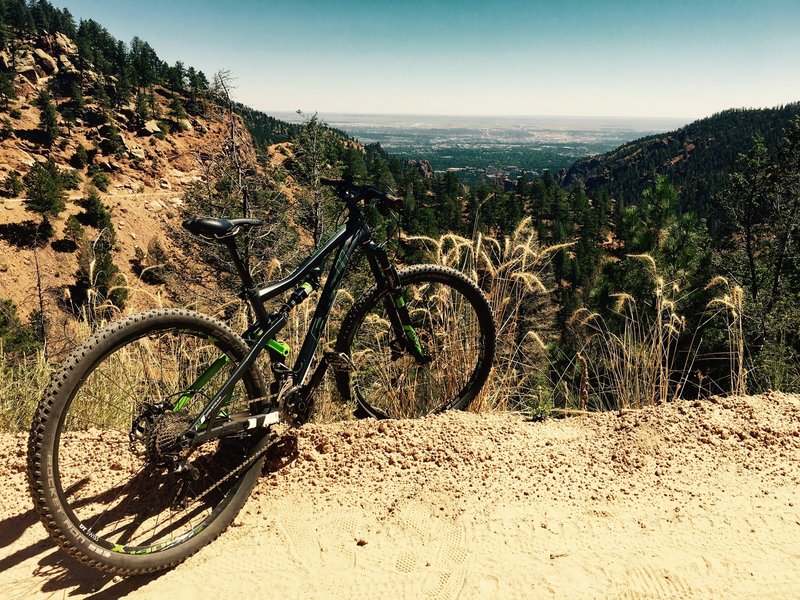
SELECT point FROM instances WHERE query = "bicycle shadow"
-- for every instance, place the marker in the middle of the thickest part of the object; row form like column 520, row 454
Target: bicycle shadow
column 281, row 453
column 54, row 571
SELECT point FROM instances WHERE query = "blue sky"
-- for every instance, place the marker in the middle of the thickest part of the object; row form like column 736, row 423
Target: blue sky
column 571, row 57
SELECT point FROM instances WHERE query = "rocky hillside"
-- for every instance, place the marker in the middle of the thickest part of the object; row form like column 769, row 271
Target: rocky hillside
column 142, row 166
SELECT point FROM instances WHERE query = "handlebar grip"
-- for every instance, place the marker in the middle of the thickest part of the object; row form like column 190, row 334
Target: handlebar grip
column 394, row 202
column 364, row 191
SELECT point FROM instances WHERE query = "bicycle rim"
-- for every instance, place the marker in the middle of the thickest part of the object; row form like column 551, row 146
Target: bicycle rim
column 450, row 322
column 112, row 459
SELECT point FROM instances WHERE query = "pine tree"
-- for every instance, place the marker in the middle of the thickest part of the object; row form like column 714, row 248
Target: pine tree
column 7, row 91
column 48, row 119
column 46, row 195
column 142, row 106
column 312, row 148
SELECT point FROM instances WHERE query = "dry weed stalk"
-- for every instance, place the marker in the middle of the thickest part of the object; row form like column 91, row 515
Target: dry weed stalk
column 22, row 379
column 633, row 362
column 512, row 273
column 731, row 303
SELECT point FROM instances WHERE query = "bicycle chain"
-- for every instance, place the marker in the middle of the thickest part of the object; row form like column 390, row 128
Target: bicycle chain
column 247, row 462
column 284, row 392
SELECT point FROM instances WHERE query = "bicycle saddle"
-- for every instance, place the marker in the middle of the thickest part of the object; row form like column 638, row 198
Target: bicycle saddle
column 212, row 227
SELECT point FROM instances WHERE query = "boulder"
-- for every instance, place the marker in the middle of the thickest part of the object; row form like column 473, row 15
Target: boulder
column 151, row 127
column 65, row 64
column 26, row 66
column 137, row 152
column 109, row 165
column 423, row 167
column 5, row 61
column 31, row 75
column 122, row 117
column 25, row 62
column 47, row 62
column 64, row 44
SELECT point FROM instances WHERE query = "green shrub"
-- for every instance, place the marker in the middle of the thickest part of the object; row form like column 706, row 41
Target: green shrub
column 98, row 215
column 13, row 185
column 15, row 336
column 73, row 229
column 71, row 179
column 100, row 178
column 80, row 159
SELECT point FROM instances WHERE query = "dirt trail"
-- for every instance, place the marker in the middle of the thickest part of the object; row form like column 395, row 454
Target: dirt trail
column 689, row 500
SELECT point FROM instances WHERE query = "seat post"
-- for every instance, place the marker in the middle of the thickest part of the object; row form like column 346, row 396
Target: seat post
column 249, row 290
column 244, row 272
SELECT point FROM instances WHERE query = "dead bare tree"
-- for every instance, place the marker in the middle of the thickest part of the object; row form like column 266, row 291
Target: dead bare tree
column 235, row 185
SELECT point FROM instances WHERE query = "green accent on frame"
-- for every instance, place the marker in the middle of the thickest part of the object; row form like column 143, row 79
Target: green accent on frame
column 279, row 347
column 412, row 335
column 204, row 378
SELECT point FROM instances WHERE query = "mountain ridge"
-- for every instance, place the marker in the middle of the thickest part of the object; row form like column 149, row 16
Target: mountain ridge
column 696, row 158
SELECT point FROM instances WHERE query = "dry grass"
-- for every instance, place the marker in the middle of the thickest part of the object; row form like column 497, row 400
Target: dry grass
column 731, row 306
column 630, row 364
column 512, row 272
column 633, row 361
column 22, row 379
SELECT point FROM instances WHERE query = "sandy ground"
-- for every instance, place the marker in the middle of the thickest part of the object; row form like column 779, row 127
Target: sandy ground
column 689, row 500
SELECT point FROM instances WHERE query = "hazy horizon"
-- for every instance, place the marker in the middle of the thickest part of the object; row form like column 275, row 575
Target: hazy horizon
column 591, row 120
column 479, row 146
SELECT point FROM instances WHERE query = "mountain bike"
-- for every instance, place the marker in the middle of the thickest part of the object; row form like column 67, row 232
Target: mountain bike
column 147, row 442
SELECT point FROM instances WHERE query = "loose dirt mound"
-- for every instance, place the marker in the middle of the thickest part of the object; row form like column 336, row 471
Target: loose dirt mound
column 686, row 500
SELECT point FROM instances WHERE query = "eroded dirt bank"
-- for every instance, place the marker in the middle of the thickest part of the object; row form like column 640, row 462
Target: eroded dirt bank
column 689, row 500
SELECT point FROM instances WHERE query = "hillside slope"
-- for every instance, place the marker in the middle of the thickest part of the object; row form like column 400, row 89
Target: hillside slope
column 696, row 158
column 686, row 500
column 148, row 165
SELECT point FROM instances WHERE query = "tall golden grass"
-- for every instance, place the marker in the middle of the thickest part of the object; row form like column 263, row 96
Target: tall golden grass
column 634, row 362
column 512, row 271
column 628, row 365
column 731, row 305
column 631, row 364
column 22, row 379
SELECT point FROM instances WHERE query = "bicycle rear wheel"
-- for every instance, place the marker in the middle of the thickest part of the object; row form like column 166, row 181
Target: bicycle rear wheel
column 452, row 319
column 102, row 451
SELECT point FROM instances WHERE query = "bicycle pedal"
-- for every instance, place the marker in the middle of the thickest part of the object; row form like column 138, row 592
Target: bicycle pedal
column 339, row 362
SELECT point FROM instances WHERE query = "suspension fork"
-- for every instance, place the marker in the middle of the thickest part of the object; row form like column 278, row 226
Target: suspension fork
column 386, row 275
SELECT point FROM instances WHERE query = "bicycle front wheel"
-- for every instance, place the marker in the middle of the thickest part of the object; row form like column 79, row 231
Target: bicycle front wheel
column 103, row 449
column 453, row 322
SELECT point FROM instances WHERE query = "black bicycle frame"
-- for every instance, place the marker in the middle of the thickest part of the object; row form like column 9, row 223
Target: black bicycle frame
column 344, row 242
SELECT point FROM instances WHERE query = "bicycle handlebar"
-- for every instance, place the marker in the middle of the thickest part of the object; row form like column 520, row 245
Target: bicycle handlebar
column 365, row 192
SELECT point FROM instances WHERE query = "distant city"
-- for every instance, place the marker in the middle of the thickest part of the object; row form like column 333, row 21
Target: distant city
column 478, row 147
